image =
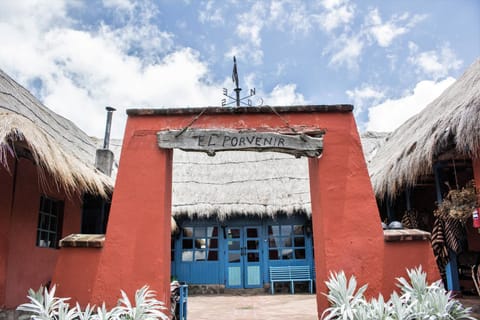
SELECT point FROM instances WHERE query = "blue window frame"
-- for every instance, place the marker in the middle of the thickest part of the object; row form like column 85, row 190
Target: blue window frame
column 286, row 242
column 199, row 243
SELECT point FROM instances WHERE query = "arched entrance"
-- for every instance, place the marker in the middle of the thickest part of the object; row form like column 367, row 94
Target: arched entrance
column 346, row 226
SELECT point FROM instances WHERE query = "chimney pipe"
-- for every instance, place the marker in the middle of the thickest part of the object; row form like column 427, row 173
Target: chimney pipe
column 104, row 157
column 106, row 140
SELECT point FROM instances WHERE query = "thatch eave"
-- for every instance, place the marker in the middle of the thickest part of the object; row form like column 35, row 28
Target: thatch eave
column 452, row 119
column 68, row 172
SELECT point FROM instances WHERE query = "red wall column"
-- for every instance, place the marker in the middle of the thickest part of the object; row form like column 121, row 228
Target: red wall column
column 346, row 224
column 137, row 245
column 6, row 191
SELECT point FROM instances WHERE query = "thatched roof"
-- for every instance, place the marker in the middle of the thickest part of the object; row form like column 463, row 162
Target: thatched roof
column 58, row 146
column 450, row 121
column 246, row 183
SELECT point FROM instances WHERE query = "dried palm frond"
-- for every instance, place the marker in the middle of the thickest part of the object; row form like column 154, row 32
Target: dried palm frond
column 410, row 151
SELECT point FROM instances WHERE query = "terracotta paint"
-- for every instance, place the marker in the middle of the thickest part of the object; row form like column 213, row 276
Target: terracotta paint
column 27, row 266
column 346, row 223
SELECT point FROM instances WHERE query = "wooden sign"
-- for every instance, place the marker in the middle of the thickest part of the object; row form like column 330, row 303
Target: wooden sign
column 211, row 141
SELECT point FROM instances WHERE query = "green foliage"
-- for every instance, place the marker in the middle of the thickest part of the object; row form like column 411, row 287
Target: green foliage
column 418, row 301
column 44, row 305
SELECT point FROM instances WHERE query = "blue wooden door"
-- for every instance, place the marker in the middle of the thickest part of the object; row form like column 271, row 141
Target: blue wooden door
column 243, row 257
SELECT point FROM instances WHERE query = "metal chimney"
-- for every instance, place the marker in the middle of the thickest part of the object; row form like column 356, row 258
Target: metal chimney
column 104, row 157
column 106, row 140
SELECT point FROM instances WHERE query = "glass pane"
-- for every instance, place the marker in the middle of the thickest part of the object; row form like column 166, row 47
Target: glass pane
column 212, row 243
column 199, row 232
column 212, row 232
column 253, row 244
column 299, row 253
column 46, row 205
column 297, row 229
column 273, row 254
column 53, row 224
column 52, row 238
column 286, row 242
column 287, row 254
column 199, row 255
column 213, row 255
column 271, row 242
column 234, row 245
column 54, row 208
column 274, row 230
column 200, row 243
column 234, row 257
column 188, row 232
column 234, row 233
column 253, row 257
column 187, row 244
column 43, row 222
column 187, row 255
column 286, row 230
column 300, row 242
column 252, row 233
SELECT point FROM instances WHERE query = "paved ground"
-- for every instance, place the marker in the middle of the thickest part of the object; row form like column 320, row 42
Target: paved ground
column 265, row 307
column 248, row 307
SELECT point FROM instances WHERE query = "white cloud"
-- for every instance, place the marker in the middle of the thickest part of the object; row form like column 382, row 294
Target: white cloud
column 385, row 33
column 211, row 13
column 365, row 95
column 82, row 71
column 336, row 14
column 347, row 51
column 391, row 113
column 434, row 63
column 249, row 30
column 284, row 95
column 119, row 4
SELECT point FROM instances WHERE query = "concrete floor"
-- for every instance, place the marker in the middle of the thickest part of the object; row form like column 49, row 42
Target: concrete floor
column 265, row 307
column 251, row 307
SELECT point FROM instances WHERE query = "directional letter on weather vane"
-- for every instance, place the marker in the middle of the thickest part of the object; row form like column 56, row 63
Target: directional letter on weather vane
column 237, row 100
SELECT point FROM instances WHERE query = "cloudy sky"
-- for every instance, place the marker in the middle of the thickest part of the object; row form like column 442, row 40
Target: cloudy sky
column 388, row 58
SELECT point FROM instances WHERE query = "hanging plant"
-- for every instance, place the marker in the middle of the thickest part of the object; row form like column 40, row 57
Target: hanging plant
column 459, row 203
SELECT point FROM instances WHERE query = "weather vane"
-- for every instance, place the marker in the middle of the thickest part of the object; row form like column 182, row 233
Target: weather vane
column 237, row 100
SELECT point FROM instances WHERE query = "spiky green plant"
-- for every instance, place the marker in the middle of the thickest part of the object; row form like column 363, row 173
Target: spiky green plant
column 346, row 303
column 44, row 305
column 146, row 306
column 418, row 301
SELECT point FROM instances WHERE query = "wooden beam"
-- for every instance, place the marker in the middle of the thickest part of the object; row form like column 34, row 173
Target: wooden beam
column 211, row 141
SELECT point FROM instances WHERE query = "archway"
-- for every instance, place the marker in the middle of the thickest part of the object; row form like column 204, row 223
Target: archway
column 346, row 226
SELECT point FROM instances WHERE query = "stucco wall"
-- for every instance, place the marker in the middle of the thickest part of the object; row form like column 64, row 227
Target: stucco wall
column 29, row 266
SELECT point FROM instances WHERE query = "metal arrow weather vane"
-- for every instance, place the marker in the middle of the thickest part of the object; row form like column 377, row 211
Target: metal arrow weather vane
column 237, row 100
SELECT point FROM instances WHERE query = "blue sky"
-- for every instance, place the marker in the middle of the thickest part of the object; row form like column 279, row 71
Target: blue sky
column 388, row 58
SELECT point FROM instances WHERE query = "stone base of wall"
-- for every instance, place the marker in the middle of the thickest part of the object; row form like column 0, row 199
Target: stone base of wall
column 280, row 287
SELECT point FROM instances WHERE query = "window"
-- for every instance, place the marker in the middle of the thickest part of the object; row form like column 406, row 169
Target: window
column 286, row 242
column 50, row 218
column 199, row 244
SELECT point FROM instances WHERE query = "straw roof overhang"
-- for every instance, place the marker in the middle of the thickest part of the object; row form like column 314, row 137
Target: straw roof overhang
column 450, row 121
column 239, row 184
column 55, row 144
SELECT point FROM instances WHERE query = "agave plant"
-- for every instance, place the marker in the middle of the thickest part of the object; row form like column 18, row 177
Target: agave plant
column 146, row 306
column 346, row 303
column 44, row 305
column 418, row 301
